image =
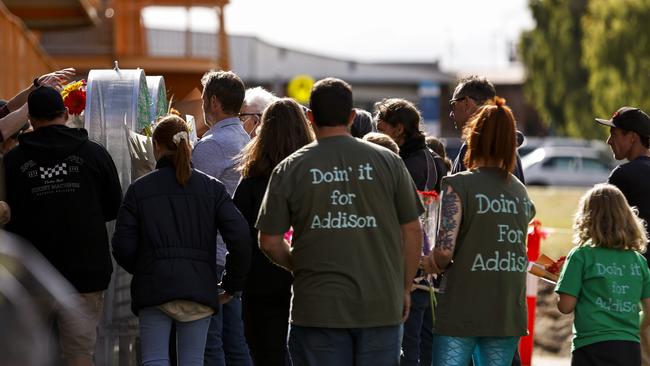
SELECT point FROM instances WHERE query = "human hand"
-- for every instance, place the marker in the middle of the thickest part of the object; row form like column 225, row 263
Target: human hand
column 224, row 298
column 5, row 213
column 429, row 265
column 407, row 304
column 57, row 78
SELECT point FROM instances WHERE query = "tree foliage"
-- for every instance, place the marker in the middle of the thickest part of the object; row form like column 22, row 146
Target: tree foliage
column 587, row 58
column 556, row 77
column 616, row 49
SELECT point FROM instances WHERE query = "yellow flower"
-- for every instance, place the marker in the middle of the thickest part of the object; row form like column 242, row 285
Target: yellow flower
column 71, row 87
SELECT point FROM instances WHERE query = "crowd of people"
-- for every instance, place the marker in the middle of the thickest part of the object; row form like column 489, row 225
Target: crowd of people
column 292, row 235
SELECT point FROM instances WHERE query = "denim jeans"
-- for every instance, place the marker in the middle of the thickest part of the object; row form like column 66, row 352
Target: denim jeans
column 155, row 327
column 226, row 344
column 418, row 331
column 377, row 346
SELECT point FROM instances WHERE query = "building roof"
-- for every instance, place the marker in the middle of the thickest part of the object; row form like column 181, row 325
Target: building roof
column 250, row 57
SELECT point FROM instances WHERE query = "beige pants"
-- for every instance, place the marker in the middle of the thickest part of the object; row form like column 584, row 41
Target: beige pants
column 77, row 322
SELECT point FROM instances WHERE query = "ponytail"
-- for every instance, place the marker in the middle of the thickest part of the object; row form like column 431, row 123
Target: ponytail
column 172, row 133
column 182, row 157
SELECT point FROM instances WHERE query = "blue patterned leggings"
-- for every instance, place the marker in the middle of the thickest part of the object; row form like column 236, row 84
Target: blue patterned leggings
column 485, row 351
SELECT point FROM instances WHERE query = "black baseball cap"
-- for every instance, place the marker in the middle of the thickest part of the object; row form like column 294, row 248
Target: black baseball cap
column 45, row 103
column 629, row 119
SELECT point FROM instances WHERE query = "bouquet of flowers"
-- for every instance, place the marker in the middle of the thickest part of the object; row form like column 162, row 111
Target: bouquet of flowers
column 74, row 98
column 429, row 219
column 546, row 268
column 140, row 152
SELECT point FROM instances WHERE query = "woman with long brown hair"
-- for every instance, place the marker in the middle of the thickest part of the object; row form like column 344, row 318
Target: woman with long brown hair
column 481, row 246
column 165, row 236
column 267, row 294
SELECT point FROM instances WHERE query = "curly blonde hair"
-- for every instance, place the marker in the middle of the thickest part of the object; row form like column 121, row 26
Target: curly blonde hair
column 604, row 219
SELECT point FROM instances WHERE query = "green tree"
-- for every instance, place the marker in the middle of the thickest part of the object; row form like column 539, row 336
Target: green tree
column 616, row 53
column 557, row 79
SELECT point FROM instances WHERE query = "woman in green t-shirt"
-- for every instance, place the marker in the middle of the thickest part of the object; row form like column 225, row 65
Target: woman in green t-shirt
column 604, row 279
column 484, row 217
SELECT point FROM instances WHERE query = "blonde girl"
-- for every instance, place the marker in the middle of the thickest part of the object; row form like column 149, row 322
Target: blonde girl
column 604, row 280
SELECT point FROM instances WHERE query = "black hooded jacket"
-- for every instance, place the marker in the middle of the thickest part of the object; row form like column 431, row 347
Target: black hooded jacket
column 62, row 189
column 425, row 166
column 165, row 235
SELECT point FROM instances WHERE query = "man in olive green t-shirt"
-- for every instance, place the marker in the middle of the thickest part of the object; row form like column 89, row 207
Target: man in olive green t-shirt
column 357, row 239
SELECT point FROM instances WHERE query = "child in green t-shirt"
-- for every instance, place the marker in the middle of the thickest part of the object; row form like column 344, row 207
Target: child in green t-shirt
column 604, row 279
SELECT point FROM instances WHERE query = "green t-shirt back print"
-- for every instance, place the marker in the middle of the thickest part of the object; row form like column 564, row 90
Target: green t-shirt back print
column 337, row 219
column 485, row 290
column 345, row 200
column 609, row 284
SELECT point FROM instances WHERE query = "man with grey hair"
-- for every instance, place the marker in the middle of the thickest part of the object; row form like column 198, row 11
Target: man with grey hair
column 255, row 101
column 214, row 154
column 472, row 93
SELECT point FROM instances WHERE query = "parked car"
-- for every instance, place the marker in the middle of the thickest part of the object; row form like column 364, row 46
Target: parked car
column 532, row 143
column 566, row 166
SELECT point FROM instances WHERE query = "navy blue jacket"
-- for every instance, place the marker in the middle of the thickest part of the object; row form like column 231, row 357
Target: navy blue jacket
column 165, row 236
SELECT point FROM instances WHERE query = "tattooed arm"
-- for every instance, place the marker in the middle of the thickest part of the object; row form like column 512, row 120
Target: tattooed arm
column 450, row 215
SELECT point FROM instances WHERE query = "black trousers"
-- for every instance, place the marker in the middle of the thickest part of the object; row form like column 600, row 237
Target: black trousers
column 266, row 326
column 608, row 353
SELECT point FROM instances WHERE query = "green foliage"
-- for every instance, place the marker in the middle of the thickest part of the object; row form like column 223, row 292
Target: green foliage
column 557, row 79
column 616, row 48
column 587, row 58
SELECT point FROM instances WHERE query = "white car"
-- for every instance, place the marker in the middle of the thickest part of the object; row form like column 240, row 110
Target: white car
column 566, row 166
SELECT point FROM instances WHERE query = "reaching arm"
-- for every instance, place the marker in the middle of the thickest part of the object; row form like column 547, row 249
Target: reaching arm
column 276, row 249
column 13, row 122
column 52, row 79
column 451, row 212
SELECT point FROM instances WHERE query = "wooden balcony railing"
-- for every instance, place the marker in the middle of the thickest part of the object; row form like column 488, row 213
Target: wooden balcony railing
column 22, row 59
